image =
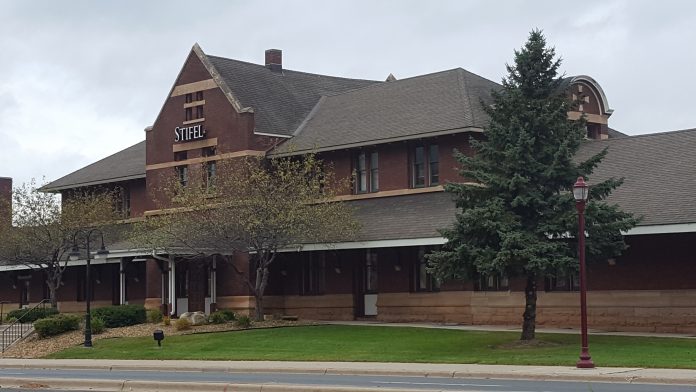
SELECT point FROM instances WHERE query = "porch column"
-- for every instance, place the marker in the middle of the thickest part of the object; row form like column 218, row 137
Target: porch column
column 122, row 282
column 172, row 288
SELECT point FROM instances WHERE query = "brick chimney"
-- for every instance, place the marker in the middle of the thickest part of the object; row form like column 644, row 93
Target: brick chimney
column 274, row 60
column 5, row 201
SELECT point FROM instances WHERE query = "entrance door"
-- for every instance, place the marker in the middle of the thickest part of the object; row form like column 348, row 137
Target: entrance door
column 366, row 287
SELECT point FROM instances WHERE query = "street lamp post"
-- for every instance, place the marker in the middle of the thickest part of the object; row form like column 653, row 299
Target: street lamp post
column 581, row 193
column 75, row 255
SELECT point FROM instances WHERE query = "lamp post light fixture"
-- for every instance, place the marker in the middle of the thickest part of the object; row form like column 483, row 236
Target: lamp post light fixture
column 75, row 255
column 581, row 193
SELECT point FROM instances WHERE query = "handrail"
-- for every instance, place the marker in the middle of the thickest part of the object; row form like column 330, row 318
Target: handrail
column 17, row 328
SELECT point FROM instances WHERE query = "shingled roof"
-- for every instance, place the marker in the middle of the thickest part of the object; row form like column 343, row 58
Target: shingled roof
column 124, row 165
column 281, row 100
column 660, row 182
column 427, row 105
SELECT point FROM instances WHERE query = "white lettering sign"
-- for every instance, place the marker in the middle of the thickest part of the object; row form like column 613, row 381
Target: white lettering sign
column 186, row 134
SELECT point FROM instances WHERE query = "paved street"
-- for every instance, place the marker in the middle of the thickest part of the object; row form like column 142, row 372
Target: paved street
column 357, row 381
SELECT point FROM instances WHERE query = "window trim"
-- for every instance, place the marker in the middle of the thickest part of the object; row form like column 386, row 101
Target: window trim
column 427, row 163
column 369, row 157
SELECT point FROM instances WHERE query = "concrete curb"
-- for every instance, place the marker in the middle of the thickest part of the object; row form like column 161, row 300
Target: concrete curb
column 538, row 373
column 157, row 386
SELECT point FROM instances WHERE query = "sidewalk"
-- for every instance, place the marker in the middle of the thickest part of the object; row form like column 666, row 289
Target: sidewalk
column 508, row 328
column 606, row 374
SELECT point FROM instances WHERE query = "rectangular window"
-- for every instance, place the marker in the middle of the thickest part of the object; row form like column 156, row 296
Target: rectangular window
column 189, row 114
column 493, row 283
column 374, row 172
column 199, row 111
column 199, row 95
column 434, row 164
column 563, row 282
column 424, row 281
column 314, row 274
column 371, row 272
column 419, row 167
column 362, row 173
column 426, row 166
column 123, row 201
column 182, row 175
column 189, row 98
column 367, row 172
column 210, row 173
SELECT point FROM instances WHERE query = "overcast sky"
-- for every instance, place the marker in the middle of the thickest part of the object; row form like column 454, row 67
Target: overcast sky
column 80, row 80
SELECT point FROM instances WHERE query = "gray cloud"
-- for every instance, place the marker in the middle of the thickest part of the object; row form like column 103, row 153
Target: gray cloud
column 81, row 79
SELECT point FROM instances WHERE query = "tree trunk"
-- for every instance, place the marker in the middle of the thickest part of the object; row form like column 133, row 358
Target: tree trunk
column 530, row 294
column 261, row 283
column 52, row 289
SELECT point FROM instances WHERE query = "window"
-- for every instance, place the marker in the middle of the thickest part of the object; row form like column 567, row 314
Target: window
column 182, row 175
column 199, row 95
column 426, row 166
column 82, row 287
column 199, row 111
column 493, row 283
column 189, row 114
column 367, row 172
column 210, row 173
column 562, row 282
column 189, row 98
column 314, row 274
column 423, row 280
column 123, row 201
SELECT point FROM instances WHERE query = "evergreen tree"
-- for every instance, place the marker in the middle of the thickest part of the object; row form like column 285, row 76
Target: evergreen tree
column 517, row 214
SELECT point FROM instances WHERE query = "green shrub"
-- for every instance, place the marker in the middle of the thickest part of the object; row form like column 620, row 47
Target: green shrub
column 182, row 324
column 230, row 314
column 167, row 321
column 121, row 315
column 56, row 325
column 218, row 318
column 243, row 322
column 154, row 316
column 98, row 325
column 31, row 315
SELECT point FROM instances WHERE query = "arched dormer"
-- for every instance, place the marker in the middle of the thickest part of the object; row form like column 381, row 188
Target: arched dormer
column 593, row 103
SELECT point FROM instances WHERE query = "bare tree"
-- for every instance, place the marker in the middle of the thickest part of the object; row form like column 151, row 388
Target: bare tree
column 44, row 229
column 249, row 205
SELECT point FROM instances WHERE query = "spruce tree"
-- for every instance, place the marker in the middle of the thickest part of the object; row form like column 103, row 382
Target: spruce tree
column 516, row 213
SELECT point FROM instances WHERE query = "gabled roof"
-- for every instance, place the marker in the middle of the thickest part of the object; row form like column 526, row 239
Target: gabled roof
column 427, row 105
column 124, row 165
column 660, row 180
column 280, row 100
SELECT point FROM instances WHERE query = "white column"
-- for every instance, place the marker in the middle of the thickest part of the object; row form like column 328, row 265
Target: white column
column 172, row 288
column 122, row 283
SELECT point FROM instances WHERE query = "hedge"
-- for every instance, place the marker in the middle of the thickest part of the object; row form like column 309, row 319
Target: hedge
column 56, row 325
column 121, row 315
column 32, row 314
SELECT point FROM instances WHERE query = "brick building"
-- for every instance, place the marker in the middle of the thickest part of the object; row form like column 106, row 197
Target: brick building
column 397, row 137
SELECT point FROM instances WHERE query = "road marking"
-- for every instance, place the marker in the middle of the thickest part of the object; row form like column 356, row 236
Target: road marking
column 437, row 383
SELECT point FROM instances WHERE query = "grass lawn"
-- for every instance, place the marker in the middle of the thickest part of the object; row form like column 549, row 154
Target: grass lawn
column 396, row 344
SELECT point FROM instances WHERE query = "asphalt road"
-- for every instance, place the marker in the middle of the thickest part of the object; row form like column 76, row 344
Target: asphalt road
column 404, row 383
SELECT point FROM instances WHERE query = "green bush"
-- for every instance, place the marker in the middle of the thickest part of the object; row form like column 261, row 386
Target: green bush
column 154, row 316
column 97, row 325
column 218, row 318
column 121, row 315
column 182, row 324
column 166, row 321
column 56, row 325
column 230, row 314
column 243, row 322
column 31, row 315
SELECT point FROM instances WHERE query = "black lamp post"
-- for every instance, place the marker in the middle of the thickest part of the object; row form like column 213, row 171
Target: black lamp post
column 75, row 255
column 581, row 193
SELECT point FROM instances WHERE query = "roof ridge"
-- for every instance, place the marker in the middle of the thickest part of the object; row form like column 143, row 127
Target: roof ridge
column 463, row 88
column 645, row 135
column 292, row 70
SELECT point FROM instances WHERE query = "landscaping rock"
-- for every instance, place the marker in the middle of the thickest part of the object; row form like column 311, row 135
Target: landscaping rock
column 195, row 318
